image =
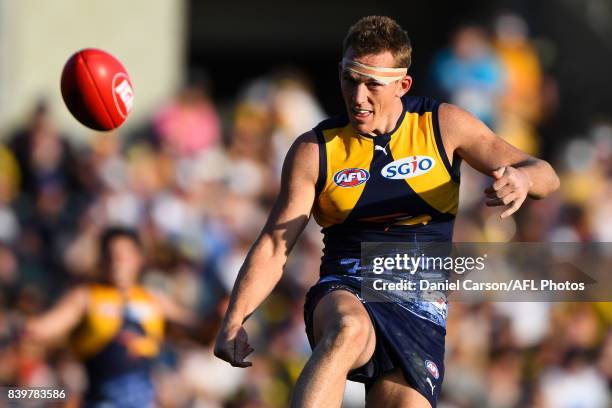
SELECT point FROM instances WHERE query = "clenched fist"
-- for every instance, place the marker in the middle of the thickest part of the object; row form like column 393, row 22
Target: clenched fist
column 232, row 345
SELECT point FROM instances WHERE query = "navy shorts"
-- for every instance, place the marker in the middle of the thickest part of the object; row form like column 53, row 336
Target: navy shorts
column 403, row 340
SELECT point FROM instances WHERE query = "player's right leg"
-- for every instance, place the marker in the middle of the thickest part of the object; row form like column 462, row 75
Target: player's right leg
column 392, row 391
column 345, row 340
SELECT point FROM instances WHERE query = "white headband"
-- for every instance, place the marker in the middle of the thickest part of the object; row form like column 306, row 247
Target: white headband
column 383, row 75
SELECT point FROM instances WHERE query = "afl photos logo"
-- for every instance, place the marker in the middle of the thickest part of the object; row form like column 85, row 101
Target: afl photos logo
column 408, row 167
column 351, row 177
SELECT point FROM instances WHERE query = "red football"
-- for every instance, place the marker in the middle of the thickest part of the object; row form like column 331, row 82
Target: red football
column 97, row 89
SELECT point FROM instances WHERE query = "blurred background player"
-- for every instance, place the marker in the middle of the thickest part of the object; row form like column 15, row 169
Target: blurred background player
column 116, row 326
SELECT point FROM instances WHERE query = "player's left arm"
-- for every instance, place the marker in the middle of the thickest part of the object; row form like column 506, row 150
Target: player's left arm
column 517, row 175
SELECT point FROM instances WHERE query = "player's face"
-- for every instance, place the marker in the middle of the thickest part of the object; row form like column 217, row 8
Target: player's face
column 372, row 107
column 125, row 263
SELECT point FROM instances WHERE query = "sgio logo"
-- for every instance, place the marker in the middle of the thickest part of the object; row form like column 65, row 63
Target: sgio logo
column 408, row 167
column 351, row 177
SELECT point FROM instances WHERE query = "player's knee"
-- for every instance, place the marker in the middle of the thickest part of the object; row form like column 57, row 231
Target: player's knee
column 349, row 331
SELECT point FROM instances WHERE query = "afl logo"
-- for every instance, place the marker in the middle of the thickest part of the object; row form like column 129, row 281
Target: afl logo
column 432, row 368
column 351, row 177
column 408, row 167
column 122, row 92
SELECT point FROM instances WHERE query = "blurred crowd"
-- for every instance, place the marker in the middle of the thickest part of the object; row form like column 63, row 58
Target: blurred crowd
column 197, row 182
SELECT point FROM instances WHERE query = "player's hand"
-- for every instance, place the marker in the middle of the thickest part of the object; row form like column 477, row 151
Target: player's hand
column 510, row 188
column 232, row 345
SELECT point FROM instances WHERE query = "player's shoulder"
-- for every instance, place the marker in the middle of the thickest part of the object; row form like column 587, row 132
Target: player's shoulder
column 305, row 148
column 453, row 117
column 305, row 144
column 459, row 127
column 308, row 142
column 99, row 291
column 83, row 290
column 302, row 159
column 78, row 297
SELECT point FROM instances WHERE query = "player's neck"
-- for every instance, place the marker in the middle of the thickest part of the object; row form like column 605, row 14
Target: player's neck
column 389, row 123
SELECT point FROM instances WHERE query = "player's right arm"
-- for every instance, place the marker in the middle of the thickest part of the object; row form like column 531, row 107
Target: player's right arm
column 266, row 259
column 61, row 319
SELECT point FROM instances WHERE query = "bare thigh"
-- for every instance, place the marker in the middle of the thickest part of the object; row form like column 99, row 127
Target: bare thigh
column 392, row 391
column 341, row 312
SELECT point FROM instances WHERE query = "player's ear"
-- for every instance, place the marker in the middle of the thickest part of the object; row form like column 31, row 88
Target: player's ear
column 404, row 85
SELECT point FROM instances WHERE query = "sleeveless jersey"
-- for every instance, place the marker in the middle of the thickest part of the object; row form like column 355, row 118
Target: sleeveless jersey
column 395, row 187
column 120, row 334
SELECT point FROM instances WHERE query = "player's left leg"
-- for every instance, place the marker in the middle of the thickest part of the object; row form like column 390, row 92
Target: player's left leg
column 392, row 391
column 345, row 340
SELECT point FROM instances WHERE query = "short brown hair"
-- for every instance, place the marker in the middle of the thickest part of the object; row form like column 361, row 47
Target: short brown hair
column 106, row 239
column 377, row 34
